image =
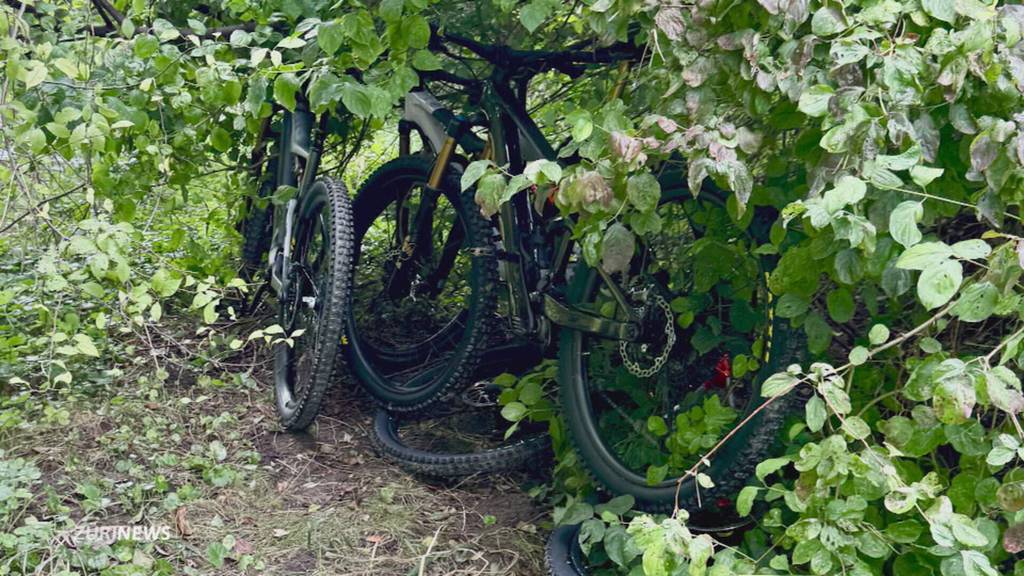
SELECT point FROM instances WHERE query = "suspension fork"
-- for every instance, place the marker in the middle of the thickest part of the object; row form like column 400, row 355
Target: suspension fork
column 416, row 242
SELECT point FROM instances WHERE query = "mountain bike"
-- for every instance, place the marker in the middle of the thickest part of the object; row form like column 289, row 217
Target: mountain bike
column 298, row 231
column 645, row 383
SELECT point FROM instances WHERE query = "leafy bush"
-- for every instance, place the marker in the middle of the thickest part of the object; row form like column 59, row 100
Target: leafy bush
column 886, row 134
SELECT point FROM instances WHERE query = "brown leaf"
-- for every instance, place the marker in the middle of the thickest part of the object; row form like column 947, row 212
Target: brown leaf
column 181, row 522
column 1013, row 539
column 670, row 20
column 243, row 546
column 375, row 539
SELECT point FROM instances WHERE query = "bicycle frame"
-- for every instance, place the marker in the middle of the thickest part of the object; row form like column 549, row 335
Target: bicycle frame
column 514, row 140
column 300, row 146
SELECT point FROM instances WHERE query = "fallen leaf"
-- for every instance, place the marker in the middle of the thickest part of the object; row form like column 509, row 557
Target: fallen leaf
column 280, row 532
column 181, row 522
column 243, row 546
column 375, row 538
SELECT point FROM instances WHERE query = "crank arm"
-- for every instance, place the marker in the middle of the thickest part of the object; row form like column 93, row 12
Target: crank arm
column 589, row 323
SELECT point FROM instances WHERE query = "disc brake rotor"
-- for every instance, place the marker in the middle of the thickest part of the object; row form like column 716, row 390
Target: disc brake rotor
column 636, row 356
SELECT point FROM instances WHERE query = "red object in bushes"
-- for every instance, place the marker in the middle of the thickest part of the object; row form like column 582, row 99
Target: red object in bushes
column 720, row 377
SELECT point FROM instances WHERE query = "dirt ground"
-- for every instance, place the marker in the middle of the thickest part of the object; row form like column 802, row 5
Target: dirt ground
column 171, row 440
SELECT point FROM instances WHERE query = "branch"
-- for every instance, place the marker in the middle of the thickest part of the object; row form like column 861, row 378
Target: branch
column 108, row 8
column 39, row 205
column 21, row 5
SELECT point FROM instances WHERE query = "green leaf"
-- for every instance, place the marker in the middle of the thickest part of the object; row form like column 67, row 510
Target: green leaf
column 745, row 501
column 256, row 95
column 841, row 305
column 977, row 564
column 859, row 355
column 778, row 384
column 534, row 14
column 923, row 175
column 391, row 10
column 856, row 427
column 513, row 411
column 617, row 506
column 619, row 546
column 216, row 553
column 977, row 302
column 770, row 466
column 531, row 393
column 543, row 171
column 815, row 414
column 904, row 532
column 577, row 512
column 643, row 191
column 357, row 99
column 34, row 73
column 791, row 305
column 974, row 249
column 325, row 92
column 940, row 9
column 879, row 334
column 473, row 173
column 939, row 283
column 220, row 139
column 285, row 87
column 416, row 31
column 656, row 425
column 582, row 124
column 489, row 191
column 974, row 9
column 903, row 161
column 84, row 345
column 425, row 60
column 814, row 101
column 165, row 283
column 903, row 223
column 965, row 532
column 848, row 190
column 819, row 333
column 924, row 256
column 827, row 21
column 330, row 36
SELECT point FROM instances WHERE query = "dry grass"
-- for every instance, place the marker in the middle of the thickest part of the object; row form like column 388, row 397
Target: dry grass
column 318, row 503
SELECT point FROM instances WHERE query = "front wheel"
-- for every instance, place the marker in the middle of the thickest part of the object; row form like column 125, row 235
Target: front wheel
column 642, row 414
column 424, row 300
column 314, row 303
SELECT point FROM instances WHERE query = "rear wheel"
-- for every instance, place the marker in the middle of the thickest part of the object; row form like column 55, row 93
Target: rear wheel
column 424, row 281
column 314, row 303
column 642, row 414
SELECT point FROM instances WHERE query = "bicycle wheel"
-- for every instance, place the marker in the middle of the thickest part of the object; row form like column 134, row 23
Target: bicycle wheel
column 423, row 302
column 642, row 414
column 315, row 299
column 256, row 233
column 456, row 444
column 563, row 554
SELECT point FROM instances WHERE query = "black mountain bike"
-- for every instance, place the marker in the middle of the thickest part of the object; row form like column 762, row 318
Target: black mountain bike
column 634, row 385
column 298, row 236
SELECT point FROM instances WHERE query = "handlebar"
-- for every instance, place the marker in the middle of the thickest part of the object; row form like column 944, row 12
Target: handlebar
column 519, row 62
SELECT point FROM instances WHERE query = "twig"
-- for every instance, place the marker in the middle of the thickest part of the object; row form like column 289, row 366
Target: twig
column 39, row 205
column 692, row 472
column 423, row 560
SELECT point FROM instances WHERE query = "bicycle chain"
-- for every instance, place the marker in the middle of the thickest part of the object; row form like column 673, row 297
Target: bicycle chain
column 633, row 366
